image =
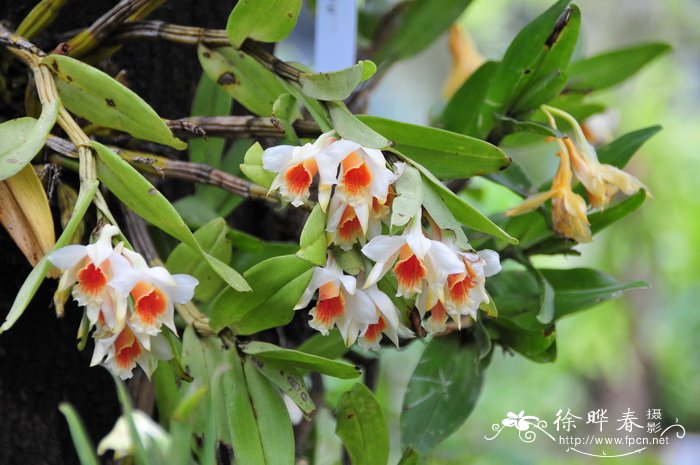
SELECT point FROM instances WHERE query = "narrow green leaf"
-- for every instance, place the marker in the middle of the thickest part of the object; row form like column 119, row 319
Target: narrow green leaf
column 288, row 380
column 37, row 275
column 209, row 100
column 610, row 68
column 276, row 434
column 97, row 97
column 301, row 360
column 336, row 85
column 22, row 139
column 277, row 283
column 362, row 427
column 350, row 127
column 604, row 218
column 419, row 24
column 81, row 441
column 165, row 390
column 261, row 20
column 446, row 154
column 512, row 125
column 460, row 114
column 242, row 77
column 313, row 244
column 620, row 151
column 138, row 194
column 214, row 240
column 331, row 346
column 446, row 376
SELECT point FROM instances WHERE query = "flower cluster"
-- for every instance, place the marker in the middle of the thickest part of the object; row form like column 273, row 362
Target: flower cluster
column 601, row 182
column 356, row 189
column 126, row 301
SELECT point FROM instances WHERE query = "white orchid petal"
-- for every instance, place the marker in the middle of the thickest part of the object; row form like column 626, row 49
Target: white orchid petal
column 68, row 256
column 277, row 158
column 382, row 248
column 492, row 262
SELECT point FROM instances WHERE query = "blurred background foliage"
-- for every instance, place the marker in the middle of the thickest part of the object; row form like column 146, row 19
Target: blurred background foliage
column 639, row 351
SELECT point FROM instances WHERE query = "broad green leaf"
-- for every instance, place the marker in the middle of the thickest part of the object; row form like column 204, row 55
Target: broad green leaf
column 245, row 432
column 619, row 151
column 577, row 105
column 194, row 212
column 446, row 154
column 37, row 275
column 316, row 109
column 610, row 68
column 137, row 193
column 301, row 360
column 441, row 393
column 288, row 380
column 214, row 240
column 276, row 434
column 419, row 24
column 97, row 97
column 409, row 197
column 515, row 179
column 81, row 441
column 350, row 127
column 336, row 85
column 262, row 20
column 520, row 62
column 243, row 260
column 277, row 284
column 22, row 139
column 252, row 166
column 331, row 346
column 462, row 211
column 533, row 344
column 442, row 216
column 461, row 112
column 362, row 427
column 313, row 244
column 242, row 77
column 165, row 392
column 604, row 218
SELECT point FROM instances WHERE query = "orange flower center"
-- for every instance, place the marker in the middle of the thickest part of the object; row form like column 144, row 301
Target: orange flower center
column 374, row 331
column 127, row 349
column 356, row 174
column 149, row 302
column 298, row 178
column 438, row 314
column 92, row 279
column 460, row 284
column 409, row 269
column 349, row 227
column 331, row 304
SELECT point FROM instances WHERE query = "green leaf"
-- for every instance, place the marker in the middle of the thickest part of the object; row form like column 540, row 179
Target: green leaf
column 262, row 20
column 97, row 97
column 409, row 197
column 610, row 68
column 288, row 380
column 22, row 139
column 277, row 284
column 437, row 209
column 511, row 125
column 242, row 77
column 336, row 85
column 331, row 346
column 194, row 212
column 209, row 100
column 165, row 390
column 351, row 128
column 37, row 275
column 409, row 457
column 301, row 360
column 534, row 345
column 286, row 110
column 419, row 24
column 276, row 435
column 446, row 154
column 460, row 114
column 362, row 427
column 525, row 54
column 313, row 244
column 81, row 441
column 619, row 151
column 462, row 211
column 138, row 194
column 252, row 166
column 214, row 240
column 604, row 218
column 441, row 393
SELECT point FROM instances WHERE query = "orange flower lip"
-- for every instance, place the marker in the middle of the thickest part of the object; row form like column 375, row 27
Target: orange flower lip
column 357, row 176
column 349, row 227
column 409, row 269
column 149, row 302
column 92, row 279
column 127, row 348
column 460, row 284
column 298, row 178
column 374, row 331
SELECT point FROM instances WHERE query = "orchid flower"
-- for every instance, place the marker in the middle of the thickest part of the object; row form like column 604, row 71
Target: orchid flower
column 297, row 166
column 415, row 259
column 88, row 268
column 465, row 292
column 388, row 322
column 154, row 291
column 150, row 433
column 339, row 303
